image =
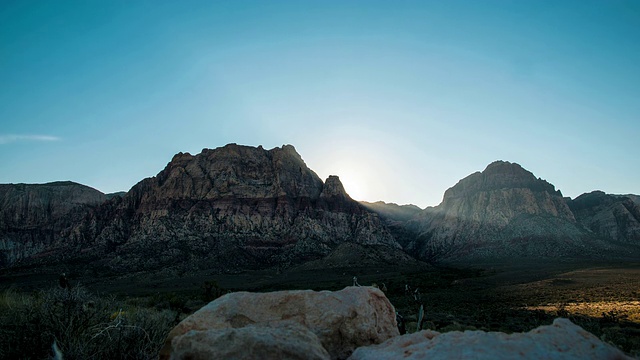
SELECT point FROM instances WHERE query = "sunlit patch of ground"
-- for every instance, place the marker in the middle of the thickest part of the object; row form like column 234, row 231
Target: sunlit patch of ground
column 613, row 310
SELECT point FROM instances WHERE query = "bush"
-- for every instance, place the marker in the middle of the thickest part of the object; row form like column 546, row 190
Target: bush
column 84, row 326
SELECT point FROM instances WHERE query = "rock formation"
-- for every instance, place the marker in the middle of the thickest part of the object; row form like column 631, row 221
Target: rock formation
column 236, row 208
column 611, row 216
column 32, row 216
column 356, row 323
column 276, row 341
column 342, row 321
column 502, row 212
column 228, row 209
column 561, row 340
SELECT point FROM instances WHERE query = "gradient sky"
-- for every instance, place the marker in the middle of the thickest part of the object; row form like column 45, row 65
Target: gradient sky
column 401, row 99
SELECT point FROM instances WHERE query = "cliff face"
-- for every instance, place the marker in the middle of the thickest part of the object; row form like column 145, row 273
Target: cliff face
column 609, row 216
column 238, row 207
column 33, row 215
column 231, row 208
column 502, row 212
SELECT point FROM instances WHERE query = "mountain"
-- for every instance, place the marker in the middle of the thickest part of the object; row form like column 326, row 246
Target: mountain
column 611, row 216
column 503, row 212
column 634, row 198
column 392, row 211
column 228, row 209
column 237, row 208
column 32, row 216
column 119, row 193
column 395, row 217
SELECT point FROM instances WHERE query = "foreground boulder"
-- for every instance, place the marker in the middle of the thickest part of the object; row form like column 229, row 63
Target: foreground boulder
column 280, row 341
column 342, row 321
column 561, row 340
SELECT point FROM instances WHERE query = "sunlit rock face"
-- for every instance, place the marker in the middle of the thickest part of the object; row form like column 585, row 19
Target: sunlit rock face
column 502, row 212
column 227, row 209
column 33, row 216
column 610, row 216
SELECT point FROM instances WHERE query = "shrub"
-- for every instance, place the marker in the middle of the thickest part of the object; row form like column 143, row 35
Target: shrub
column 84, row 326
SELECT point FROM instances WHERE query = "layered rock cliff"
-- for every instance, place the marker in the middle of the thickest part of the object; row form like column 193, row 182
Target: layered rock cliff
column 502, row 212
column 32, row 216
column 227, row 209
column 611, row 216
column 238, row 207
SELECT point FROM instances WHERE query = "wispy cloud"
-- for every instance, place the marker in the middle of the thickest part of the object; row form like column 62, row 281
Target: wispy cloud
column 7, row 139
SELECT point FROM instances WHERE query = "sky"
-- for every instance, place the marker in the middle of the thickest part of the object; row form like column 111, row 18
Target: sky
column 401, row 99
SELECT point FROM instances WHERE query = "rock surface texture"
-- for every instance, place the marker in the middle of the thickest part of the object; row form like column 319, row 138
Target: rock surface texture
column 33, row 216
column 279, row 341
column 562, row 341
column 610, row 216
column 502, row 212
column 238, row 208
column 232, row 208
column 342, row 321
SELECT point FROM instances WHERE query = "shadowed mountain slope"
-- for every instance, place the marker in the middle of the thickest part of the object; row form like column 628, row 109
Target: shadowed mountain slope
column 33, row 215
column 238, row 207
column 611, row 216
column 228, row 209
column 504, row 212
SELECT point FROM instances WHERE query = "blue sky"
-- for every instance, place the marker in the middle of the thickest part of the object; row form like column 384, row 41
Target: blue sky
column 401, row 99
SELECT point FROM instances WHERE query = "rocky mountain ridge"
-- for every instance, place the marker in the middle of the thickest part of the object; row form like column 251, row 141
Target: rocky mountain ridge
column 610, row 216
column 506, row 212
column 32, row 215
column 228, row 209
column 238, row 207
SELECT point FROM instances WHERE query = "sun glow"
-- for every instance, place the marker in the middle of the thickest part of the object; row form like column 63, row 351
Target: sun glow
column 355, row 183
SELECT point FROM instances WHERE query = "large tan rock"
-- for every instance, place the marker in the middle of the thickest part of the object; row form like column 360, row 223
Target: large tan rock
column 342, row 320
column 561, row 340
column 280, row 341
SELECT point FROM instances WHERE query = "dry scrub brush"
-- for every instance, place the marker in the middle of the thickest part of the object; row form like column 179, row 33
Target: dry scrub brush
column 84, row 326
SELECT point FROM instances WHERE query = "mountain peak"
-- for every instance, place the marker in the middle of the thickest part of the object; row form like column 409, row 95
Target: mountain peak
column 333, row 188
column 502, row 167
column 499, row 175
column 238, row 171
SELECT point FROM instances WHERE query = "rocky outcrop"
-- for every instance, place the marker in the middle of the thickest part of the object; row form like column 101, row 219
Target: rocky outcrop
column 342, row 320
column 33, row 216
column 356, row 323
column 611, row 216
column 561, row 340
column 232, row 208
column 238, row 208
column 502, row 212
column 277, row 341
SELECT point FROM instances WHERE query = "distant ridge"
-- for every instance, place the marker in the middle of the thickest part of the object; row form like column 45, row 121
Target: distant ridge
column 610, row 216
column 505, row 212
column 392, row 211
column 239, row 207
column 32, row 216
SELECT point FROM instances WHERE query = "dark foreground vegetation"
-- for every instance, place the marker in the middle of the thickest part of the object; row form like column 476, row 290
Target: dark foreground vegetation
column 133, row 322
column 83, row 326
